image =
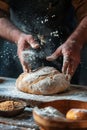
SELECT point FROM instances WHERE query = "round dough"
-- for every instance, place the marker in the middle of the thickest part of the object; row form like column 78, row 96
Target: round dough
column 44, row 81
column 77, row 114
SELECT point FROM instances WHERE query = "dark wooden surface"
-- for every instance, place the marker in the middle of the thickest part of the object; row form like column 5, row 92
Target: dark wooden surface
column 24, row 121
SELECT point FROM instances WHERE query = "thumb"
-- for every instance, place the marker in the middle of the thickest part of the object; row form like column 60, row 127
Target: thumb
column 55, row 55
column 32, row 42
column 26, row 67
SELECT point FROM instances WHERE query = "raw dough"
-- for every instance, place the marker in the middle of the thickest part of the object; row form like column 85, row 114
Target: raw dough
column 77, row 114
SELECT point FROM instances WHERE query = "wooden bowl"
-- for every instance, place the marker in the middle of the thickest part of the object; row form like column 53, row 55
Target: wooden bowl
column 14, row 112
column 2, row 79
column 63, row 106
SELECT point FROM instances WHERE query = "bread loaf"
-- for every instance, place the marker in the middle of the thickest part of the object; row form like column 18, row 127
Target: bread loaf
column 44, row 81
column 77, row 114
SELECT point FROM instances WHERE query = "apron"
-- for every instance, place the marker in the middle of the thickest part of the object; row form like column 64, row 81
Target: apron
column 49, row 21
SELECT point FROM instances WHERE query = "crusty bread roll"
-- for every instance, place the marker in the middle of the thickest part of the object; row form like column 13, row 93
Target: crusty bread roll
column 77, row 114
column 44, row 81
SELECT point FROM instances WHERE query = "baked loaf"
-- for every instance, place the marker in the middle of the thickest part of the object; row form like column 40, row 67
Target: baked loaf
column 44, row 81
column 77, row 114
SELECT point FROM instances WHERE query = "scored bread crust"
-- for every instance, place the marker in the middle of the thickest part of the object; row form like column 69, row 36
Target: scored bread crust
column 44, row 81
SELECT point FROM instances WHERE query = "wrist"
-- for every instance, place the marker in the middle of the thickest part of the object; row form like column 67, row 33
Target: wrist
column 77, row 39
column 79, row 36
column 16, row 35
column 9, row 31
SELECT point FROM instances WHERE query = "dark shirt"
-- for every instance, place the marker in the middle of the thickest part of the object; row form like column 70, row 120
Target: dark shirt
column 48, row 18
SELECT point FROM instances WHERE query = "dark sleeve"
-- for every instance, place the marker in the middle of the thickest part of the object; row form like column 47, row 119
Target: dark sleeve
column 4, row 8
column 80, row 8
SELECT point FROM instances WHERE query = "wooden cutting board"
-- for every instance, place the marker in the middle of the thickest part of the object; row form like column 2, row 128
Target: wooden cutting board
column 8, row 90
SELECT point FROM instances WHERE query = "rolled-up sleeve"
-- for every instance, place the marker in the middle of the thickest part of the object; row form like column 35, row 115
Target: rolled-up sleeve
column 4, row 8
column 80, row 8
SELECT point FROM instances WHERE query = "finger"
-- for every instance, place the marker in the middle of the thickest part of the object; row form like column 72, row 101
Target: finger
column 69, row 72
column 54, row 56
column 66, row 62
column 32, row 42
column 71, row 69
column 68, row 77
column 25, row 67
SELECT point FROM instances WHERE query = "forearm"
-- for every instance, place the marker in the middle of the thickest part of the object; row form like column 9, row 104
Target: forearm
column 8, row 30
column 80, row 34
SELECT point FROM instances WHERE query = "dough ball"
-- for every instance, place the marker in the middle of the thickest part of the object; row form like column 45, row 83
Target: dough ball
column 77, row 114
column 44, row 81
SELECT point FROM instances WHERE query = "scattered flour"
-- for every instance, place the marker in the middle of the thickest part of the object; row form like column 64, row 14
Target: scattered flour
column 49, row 112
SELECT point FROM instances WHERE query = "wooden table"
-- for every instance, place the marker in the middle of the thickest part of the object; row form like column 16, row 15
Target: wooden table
column 25, row 120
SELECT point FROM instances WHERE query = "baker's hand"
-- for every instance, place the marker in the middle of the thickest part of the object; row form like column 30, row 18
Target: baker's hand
column 70, row 51
column 24, row 42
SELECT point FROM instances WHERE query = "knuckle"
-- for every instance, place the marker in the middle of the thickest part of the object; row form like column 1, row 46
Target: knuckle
column 30, row 38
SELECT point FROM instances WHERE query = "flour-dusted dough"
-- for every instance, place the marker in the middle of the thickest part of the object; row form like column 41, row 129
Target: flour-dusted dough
column 44, row 81
column 77, row 114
